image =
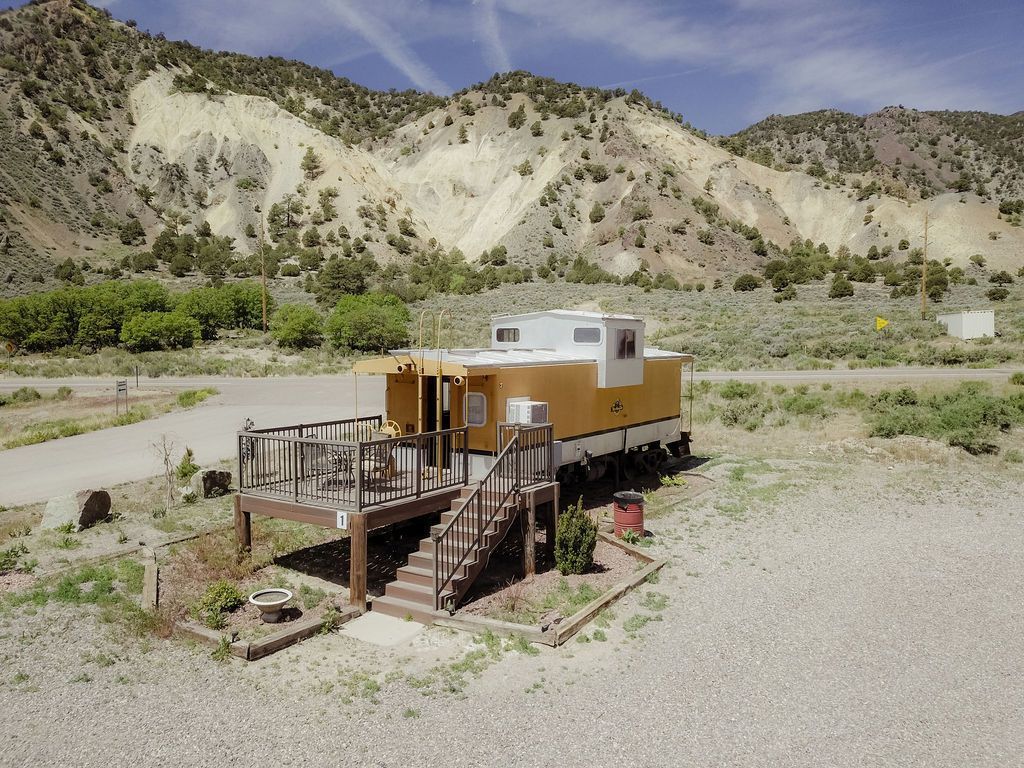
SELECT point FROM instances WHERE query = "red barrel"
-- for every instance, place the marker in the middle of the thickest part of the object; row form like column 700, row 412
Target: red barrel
column 629, row 512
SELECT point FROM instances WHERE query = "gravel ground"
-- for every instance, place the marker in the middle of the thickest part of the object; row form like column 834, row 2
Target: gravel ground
column 843, row 612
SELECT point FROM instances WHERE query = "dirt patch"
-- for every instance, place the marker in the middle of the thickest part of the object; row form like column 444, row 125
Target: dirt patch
column 16, row 581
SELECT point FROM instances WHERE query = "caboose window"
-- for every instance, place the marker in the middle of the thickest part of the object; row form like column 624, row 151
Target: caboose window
column 476, row 409
column 625, row 344
column 506, row 334
column 586, row 335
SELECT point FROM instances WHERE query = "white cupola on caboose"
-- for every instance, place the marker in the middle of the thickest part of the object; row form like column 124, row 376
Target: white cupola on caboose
column 615, row 342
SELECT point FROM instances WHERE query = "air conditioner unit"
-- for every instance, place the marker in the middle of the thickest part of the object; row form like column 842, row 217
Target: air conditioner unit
column 527, row 412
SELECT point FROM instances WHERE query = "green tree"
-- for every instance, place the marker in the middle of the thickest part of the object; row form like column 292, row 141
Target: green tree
column 297, row 326
column 1002, row 277
column 340, row 276
column 69, row 272
column 536, row 129
column 997, row 294
column 150, row 331
column 311, row 164
column 371, row 322
column 746, row 282
column 144, row 261
column 596, row 213
column 245, row 300
column 131, row 232
column 181, row 264
column 406, row 228
column 841, row 287
column 311, row 238
column 209, row 307
column 517, row 119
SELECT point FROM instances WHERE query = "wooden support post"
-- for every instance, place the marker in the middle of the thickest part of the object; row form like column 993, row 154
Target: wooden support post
column 530, row 538
column 551, row 524
column 243, row 526
column 357, row 561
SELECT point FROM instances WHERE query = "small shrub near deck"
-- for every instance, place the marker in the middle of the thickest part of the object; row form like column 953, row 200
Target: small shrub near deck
column 575, row 540
column 219, row 598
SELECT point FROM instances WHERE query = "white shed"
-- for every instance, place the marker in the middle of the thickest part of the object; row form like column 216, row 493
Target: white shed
column 972, row 324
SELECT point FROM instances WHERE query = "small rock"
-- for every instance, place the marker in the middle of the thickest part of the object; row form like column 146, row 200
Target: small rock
column 84, row 509
column 210, row 483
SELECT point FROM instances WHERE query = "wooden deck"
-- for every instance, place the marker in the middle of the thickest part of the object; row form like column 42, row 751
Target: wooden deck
column 349, row 476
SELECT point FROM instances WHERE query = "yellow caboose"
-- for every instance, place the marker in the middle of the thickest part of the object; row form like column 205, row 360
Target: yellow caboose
column 478, row 437
column 612, row 401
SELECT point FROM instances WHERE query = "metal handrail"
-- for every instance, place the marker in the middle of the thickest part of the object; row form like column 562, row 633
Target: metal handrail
column 524, row 459
column 368, row 420
column 450, row 540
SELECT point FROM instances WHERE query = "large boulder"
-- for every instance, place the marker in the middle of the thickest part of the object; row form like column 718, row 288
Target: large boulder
column 83, row 509
column 209, row 483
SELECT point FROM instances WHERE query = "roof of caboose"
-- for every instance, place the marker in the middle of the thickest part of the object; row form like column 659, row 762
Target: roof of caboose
column 481, row 362
column 565, row 313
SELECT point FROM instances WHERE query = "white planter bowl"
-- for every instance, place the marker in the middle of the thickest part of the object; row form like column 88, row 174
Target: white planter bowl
column 270, row 602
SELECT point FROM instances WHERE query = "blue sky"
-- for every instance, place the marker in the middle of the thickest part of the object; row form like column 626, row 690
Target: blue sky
column 722, row 63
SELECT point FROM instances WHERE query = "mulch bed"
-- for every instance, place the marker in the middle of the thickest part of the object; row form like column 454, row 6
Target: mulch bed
column 501, row 588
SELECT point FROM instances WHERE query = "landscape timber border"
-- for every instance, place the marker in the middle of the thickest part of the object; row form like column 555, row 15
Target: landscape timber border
column 251, row 650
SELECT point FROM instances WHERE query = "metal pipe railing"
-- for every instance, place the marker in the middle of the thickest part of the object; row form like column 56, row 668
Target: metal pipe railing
column 350, row 473
column 524, row 459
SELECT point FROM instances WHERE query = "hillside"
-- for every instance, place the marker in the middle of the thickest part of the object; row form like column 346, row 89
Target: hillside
column 912, row 154
column 109, row 137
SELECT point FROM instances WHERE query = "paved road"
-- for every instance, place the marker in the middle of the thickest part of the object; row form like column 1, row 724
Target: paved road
column 916, row 375
column 37, row 472
column 101, row 459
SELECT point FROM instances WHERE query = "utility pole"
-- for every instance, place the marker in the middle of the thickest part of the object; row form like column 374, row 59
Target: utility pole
column 924, row 268
column 262, row 268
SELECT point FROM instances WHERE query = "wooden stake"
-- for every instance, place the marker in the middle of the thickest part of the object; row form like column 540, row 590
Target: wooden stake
column 357, row 561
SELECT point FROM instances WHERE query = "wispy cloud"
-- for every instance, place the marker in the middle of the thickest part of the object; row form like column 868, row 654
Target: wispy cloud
column 388, row 42
column 656, row 78
column 802, row 54
column 754, row 56
column 490, row 31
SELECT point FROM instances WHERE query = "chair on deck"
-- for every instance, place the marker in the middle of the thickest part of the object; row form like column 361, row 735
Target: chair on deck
column 378, row 462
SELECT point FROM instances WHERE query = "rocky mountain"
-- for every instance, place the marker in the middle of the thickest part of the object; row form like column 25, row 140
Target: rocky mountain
column 110, row 136
column 911, row 154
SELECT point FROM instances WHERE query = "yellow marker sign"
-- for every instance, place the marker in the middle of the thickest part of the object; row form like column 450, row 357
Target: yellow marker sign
column 880, row 323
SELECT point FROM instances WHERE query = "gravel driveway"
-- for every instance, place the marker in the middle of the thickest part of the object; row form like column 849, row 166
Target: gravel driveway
column 820, row 613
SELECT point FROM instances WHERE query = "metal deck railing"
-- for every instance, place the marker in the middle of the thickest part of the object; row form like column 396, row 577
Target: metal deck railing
column 349, row 464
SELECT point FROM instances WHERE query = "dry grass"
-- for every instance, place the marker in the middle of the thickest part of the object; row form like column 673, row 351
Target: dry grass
column 737, row 331
column 67, row 413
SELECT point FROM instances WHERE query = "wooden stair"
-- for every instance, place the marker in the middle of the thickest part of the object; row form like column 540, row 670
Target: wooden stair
column 411, row 595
